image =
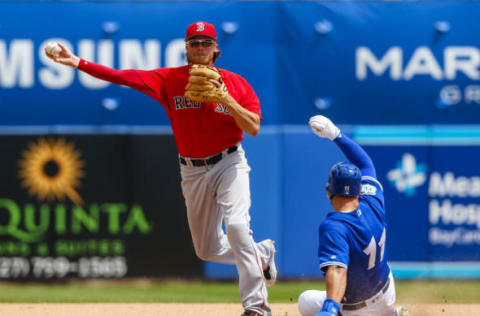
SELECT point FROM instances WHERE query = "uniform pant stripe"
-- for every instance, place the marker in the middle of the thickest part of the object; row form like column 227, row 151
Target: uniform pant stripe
column 261, row 272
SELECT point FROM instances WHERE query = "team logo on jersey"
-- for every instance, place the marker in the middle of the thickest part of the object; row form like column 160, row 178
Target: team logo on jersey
column 408, row 175
column 368, row 189
column 200, row 27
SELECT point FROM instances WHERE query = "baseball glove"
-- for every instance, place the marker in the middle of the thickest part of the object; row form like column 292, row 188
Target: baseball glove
column 205, row 84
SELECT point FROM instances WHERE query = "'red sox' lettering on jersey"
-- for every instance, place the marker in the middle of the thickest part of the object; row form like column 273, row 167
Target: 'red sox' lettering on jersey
column 184, row 103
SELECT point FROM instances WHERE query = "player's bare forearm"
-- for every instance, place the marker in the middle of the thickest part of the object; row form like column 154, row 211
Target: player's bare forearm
column 248, row 121
column 336, row 280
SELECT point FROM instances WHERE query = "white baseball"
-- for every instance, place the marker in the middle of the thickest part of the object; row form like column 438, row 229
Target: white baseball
column 53, row 48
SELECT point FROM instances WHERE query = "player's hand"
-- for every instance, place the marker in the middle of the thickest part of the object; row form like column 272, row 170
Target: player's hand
column 323, row 127
column 65, row 56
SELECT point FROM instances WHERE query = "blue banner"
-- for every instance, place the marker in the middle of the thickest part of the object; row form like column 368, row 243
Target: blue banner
column 140, row 35
column 432, row 189
column 380, row 62
column 357, row 62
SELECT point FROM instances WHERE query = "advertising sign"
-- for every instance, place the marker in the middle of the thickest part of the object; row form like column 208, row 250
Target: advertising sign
column 380, row 62
column 454, row 204
column 92, row 207
column 433, row 200
column 359, row 62
column 122, row 35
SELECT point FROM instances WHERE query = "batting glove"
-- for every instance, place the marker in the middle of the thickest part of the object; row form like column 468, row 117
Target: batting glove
column 323, row 127
column 329, row 308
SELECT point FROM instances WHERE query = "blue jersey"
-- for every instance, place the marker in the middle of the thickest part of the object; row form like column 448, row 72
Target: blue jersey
column 356, row 241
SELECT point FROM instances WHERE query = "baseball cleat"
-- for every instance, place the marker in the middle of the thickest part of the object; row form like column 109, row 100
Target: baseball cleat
column 250, row 313
column 401, row 311
column 270, row 272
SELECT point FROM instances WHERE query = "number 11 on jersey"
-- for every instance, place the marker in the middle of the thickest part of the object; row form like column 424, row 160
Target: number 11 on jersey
column 371, row 250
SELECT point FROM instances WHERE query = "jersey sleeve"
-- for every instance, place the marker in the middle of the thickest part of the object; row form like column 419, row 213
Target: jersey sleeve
column 372, row 191
column 333, row 248
column 149, row 82
column 155, row 81
column 249, row 99
column 356, row 155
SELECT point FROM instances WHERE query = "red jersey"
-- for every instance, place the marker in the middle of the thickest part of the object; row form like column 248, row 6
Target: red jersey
column 200, row 129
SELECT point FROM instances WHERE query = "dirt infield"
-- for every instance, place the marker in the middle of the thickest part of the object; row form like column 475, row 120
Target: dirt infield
column 175, row 309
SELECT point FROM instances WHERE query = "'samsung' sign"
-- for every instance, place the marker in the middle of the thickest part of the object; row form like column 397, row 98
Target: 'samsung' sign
column 18, row 61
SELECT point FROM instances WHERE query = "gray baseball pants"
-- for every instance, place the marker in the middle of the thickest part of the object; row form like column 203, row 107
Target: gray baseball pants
column 218, row 192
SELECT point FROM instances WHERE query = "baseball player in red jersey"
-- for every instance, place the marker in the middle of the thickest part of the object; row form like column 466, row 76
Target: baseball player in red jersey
column 214, row 170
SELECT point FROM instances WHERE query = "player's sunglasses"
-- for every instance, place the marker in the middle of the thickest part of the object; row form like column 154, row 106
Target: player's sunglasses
column 201, row 42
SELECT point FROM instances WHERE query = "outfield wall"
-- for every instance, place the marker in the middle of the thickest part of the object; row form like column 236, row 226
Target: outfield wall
column 431, row 193
column 130, row 218
column 400, row 77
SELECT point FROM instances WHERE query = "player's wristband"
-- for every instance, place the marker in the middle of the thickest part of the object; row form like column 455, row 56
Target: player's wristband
column 330, row 306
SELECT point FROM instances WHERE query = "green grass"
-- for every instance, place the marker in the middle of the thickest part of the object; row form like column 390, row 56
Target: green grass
column 439, row 292
column 172, row 291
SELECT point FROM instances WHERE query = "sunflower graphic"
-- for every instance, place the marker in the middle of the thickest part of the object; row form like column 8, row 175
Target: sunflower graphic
column 51, row 169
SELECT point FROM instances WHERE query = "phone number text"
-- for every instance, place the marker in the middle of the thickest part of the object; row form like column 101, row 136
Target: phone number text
column 59, row 267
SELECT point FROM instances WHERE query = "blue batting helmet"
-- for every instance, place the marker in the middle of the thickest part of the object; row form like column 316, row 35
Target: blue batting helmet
column 344, row 179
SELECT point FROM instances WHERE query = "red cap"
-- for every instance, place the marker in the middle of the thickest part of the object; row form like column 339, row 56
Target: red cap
column 201, row 28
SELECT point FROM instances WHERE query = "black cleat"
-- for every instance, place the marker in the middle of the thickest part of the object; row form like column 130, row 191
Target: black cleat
column 251, row 313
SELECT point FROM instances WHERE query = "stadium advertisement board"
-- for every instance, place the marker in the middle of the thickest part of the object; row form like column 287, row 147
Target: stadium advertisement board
column 92, row 207
column 432, row 193
column 380, row 62
column 348, row 60
column 330, row 56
